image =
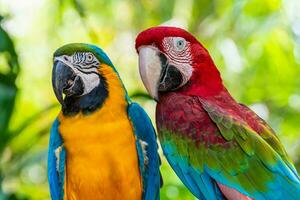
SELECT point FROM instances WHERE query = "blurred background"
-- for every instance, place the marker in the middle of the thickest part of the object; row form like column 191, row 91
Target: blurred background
column 255, row 44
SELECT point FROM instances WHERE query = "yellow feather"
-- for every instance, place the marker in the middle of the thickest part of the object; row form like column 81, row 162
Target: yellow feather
column 102, row 161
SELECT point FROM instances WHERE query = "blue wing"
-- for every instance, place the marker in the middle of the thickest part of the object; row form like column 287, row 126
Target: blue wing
column 147, row 151
column 199, row 183
column 56, row 163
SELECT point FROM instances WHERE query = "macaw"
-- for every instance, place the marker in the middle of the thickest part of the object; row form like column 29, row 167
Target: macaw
column 102, row 145
column 220, row 149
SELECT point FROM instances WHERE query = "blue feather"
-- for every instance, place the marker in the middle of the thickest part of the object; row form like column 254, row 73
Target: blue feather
column 56, row 173
column 144, row 131
column 200, row 184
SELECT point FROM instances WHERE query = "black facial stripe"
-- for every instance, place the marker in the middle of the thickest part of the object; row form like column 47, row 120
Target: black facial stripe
column 90, row 67
column 93, row 62
column 76, row 58
column 81, row 57
column 84, row 57
column 79, row 69
column 77, row 66
column 89, row 63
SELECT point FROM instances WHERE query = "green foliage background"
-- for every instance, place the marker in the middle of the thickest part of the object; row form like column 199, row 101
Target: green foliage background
column 255, row 44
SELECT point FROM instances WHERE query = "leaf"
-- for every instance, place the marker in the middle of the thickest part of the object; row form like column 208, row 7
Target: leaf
column 8, row 89
column 7, row 45
column 7, row 99
column 79, row 8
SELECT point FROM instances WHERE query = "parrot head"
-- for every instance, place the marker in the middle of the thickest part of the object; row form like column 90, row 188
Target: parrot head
column 77, row 80
column 171, row 59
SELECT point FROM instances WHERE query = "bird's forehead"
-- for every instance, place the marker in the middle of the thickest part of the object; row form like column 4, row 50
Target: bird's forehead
column 156, row 35
column 70, row 49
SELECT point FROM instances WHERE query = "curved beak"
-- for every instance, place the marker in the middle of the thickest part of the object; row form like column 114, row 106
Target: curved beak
column 157, row 74
column 65, row 81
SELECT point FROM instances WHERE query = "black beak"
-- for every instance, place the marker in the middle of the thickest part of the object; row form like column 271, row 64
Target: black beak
column 171, row 78
column 65, row 81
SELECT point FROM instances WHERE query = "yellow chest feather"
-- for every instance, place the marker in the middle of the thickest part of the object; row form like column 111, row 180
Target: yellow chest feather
column 102, row 161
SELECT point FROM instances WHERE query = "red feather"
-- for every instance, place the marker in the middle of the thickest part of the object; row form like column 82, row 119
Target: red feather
column 187, row 117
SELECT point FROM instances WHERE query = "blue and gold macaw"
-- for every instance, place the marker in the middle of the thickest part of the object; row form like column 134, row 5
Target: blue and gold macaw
column 102, row 145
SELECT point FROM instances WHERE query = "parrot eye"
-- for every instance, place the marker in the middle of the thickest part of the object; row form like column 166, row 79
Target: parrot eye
column 85, row 60
column 179, row 43
column 89, row 57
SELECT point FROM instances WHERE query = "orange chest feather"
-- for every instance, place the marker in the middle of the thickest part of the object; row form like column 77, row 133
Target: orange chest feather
column 102, row 160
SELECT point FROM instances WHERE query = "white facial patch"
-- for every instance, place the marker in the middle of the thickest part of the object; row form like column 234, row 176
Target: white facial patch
column 90, row 81
column 178, row 52
column 84, row 66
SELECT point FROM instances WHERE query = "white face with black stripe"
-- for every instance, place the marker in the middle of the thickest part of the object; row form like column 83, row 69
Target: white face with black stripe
column 165, row 69
column 178, row 51
column 85, row 65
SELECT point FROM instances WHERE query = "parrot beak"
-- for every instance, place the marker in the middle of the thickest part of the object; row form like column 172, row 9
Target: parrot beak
column 157, row 74
column 65, row 81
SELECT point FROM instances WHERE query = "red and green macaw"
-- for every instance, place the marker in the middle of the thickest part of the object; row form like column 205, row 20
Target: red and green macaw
column 102, row 145
column 220, row 149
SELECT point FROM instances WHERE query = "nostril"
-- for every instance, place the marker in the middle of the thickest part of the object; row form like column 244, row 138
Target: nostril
column 66, row 58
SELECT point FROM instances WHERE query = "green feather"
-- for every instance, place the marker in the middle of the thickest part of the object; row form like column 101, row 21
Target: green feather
column 227, row 133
